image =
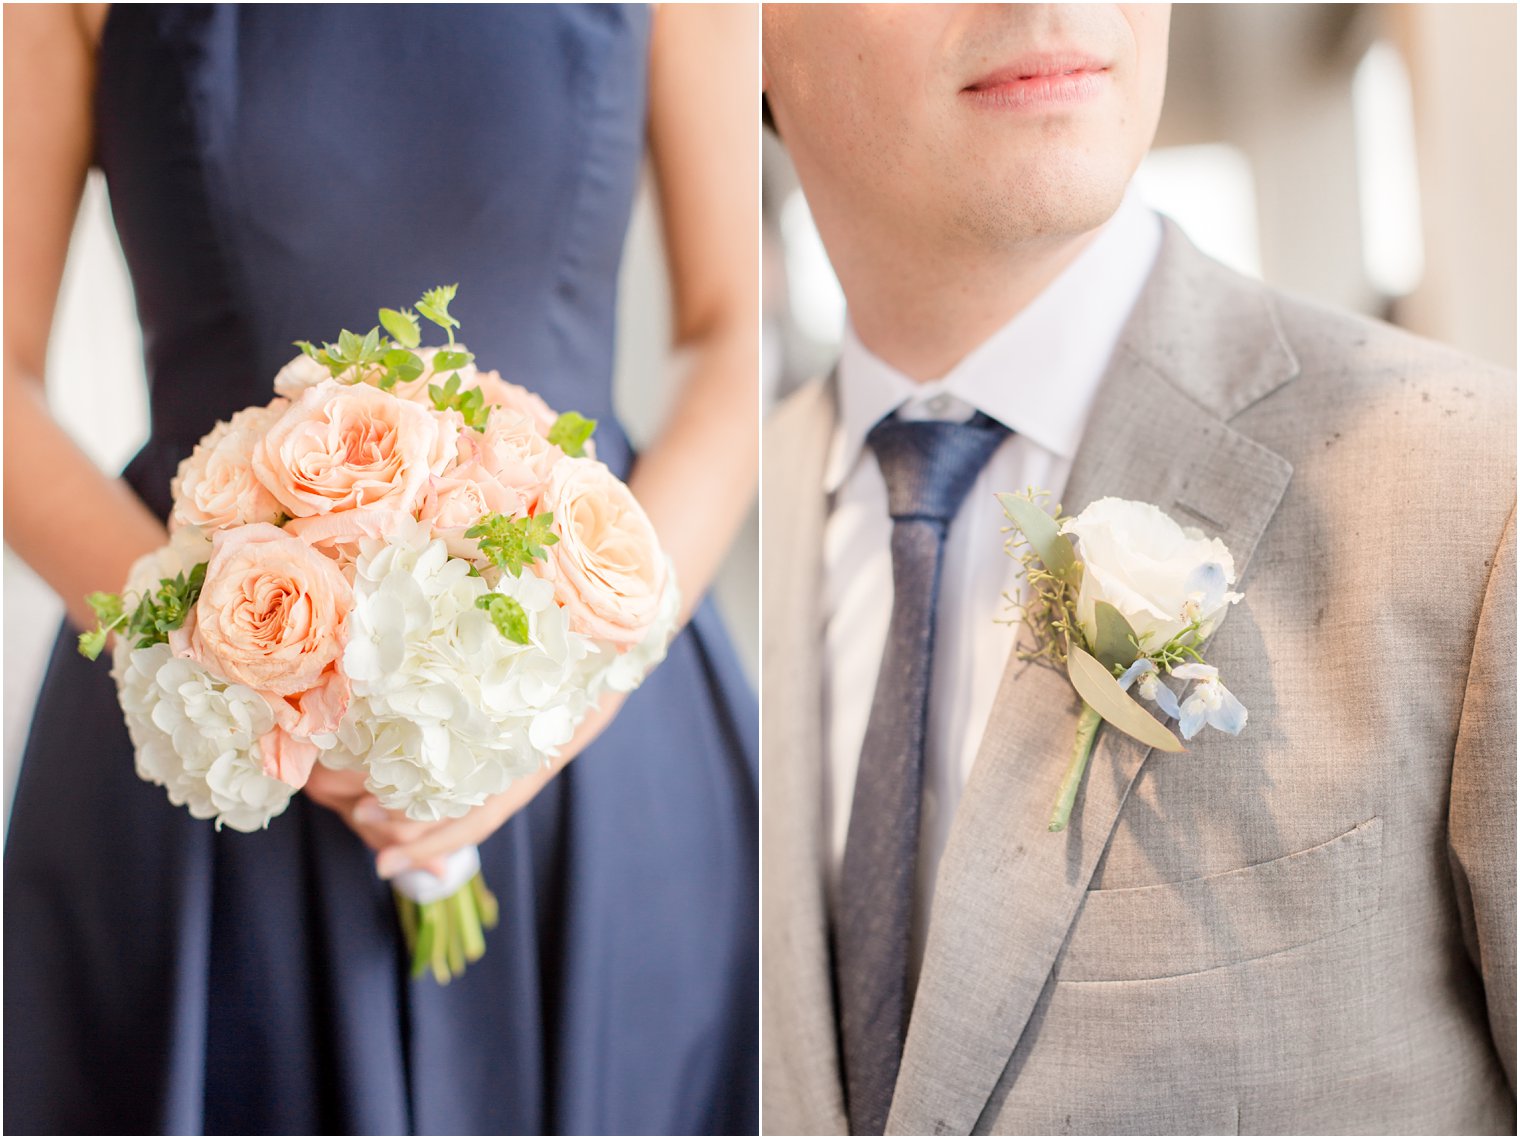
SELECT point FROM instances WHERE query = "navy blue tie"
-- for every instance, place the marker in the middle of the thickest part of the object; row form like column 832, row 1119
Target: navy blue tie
column 929, row 466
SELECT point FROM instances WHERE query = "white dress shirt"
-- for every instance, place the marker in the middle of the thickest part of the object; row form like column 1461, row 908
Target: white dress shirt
column 1037, row 375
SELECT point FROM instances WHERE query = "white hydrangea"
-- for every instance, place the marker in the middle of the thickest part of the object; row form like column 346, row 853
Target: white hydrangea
column 446, row 711
column 198, row 737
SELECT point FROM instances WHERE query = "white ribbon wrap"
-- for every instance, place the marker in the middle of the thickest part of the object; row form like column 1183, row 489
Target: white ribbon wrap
column 424, row 887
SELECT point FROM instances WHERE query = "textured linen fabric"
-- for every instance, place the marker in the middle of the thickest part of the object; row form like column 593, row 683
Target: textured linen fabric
column 1305, row 929
column 281, row 171
column 1038, row 376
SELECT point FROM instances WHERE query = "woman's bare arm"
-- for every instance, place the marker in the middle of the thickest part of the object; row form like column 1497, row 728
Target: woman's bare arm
column 78, row 527
column 697, row 480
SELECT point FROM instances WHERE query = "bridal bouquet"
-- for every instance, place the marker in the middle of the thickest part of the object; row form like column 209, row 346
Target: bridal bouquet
column 1121, row 594
column 400, row 565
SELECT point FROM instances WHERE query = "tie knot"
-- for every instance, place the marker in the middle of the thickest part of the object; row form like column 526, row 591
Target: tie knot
column 930, row 464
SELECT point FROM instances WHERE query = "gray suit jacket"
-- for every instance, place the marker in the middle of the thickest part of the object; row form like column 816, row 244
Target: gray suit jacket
column 1309, row 928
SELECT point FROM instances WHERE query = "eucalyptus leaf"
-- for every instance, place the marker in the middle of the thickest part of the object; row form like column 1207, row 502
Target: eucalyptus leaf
column 1101, row 692
column 1113, row 645
column 1040, row 531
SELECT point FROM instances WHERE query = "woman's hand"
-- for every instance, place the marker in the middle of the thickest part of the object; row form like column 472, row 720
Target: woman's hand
column 343, row 793
column 404, row 844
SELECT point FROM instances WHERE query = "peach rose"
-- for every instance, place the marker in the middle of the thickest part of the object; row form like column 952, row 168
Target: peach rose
column 286, row 758
column 272, row 614
column 499, row 393
column 459, row 498
column 350, row 447
column 318, row 710
column 513, row 450
column 340, row 536
column 215, row 487
column 301, row 373
column 607, row 567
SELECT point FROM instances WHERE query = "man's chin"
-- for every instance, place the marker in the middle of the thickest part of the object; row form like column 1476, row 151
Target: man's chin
column 1040, row 210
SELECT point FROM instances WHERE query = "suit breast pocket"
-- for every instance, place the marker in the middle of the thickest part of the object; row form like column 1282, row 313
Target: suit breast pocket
column 1176, row 928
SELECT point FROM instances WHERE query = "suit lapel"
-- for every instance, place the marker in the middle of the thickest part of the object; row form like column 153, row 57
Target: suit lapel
column 803, row 1092
column 1201, row 346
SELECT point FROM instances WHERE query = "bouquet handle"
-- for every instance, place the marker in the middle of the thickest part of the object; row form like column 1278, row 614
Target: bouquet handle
column 444, row 918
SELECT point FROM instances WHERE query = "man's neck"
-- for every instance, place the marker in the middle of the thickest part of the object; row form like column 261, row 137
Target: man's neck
column 923, row 314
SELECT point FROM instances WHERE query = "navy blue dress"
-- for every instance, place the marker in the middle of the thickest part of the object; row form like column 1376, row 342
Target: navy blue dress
column 279, row 172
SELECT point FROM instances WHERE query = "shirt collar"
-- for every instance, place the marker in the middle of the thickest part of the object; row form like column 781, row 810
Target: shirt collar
column 1038, row 374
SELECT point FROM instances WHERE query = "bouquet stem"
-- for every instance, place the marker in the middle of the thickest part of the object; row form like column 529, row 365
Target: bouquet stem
column 1081, row 751
column 446, row 935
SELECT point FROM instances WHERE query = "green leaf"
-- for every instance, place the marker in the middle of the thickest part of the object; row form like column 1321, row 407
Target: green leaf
column 507, row 614
column 402, row 326
column 91, row 643
column 164, row 610
column 107, row 606
column 435, row 305
column 570, row 432
column 447, row 359
column 1114, row 645
column 400, row 365
column 1101, row 692
column 370, row 350
column 306, row 347
column 350, row 346
column 1040, row 531
column 470, row 403
column 514, row 543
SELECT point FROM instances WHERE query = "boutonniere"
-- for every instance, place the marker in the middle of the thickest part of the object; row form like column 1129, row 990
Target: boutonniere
column 1120, row 595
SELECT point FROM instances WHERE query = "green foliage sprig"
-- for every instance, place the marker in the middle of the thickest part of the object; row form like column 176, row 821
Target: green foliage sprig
column 514, row 543
column 571, row 432
column 507, row 614
column 155, row 615
column 386, row 361
column 435, row 306
column 469, row 403
column 1049, row 617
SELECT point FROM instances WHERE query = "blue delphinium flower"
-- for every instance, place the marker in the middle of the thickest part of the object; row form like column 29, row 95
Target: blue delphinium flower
column 1205, row 589
column 1210, row 702
column 1151, row 687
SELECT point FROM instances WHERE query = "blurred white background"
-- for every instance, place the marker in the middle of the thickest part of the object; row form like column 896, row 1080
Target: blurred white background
column 1360, row 154
column 95, row 369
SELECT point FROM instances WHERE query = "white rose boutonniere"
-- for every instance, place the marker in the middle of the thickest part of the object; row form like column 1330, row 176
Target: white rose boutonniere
column 1122, row 594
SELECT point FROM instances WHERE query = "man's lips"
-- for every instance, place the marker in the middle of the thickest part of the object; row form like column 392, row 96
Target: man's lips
column 1040, row 80
column 1054, row 65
